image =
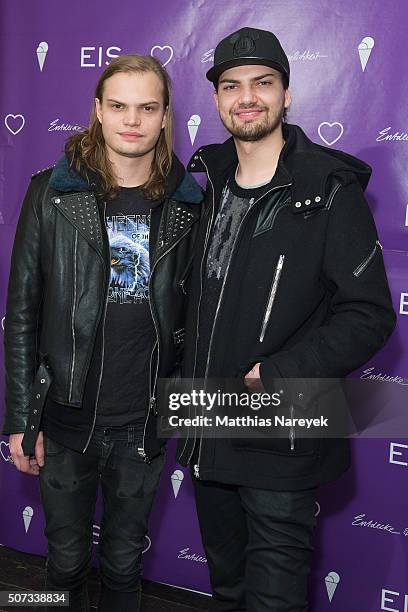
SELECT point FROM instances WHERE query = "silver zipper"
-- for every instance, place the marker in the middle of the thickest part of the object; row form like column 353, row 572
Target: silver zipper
column 223, row 286
column 199, row 306
column 332, row 196
column 152, row 401
column 360, row 269
column 196, row 471
column 103, row 344
column 292, row 430
column 73, row 319
column 272, row 295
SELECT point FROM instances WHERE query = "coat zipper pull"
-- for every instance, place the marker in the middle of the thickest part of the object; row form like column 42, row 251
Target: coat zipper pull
column 153, row 405
column 292, row 431
column 196, row 471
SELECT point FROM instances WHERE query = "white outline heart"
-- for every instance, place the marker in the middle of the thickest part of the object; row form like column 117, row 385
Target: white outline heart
column 329, row 143
column 162, row 49
column 14, row 117
column 6, row 459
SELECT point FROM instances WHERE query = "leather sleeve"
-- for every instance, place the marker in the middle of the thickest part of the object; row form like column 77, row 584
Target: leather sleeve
column 24, row 299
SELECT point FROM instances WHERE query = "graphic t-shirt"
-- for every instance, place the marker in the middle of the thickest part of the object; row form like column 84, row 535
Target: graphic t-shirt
column 129, row 329
column 235, row 202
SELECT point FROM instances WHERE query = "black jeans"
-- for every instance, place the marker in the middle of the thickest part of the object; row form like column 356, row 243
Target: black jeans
column 258, row 545
column 69, row 485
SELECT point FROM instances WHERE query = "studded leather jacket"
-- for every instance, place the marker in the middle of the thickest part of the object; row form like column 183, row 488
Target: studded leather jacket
column 58, row 289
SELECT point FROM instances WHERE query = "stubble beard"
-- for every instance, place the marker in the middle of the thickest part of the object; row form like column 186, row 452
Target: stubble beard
column 252, row 131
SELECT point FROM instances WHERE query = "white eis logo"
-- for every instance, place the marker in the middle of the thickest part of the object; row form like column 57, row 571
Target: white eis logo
column 177, row 478
column 388, row 597
column 332, row 580
column 162, row 53
column 397, row 450
column 192, row 125
column 403, row 304
column 14, row 123
column 28, row 514
column 42, row 51
column 332, row 132
column 98, row 56
column 364, row 50
column 5, row 451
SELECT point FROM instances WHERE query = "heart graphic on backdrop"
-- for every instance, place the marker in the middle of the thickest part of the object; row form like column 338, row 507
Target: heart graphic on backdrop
column 333, row 132
column 5, row 451
column 162, row 52
column 14, row 123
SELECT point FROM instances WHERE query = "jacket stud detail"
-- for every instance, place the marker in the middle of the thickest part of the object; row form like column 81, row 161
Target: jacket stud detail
column 298, row 204
column 317, row 199
column 307, row 202
column 57, row 200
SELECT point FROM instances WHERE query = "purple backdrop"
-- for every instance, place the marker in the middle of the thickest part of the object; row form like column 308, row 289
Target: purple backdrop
column 349, row 86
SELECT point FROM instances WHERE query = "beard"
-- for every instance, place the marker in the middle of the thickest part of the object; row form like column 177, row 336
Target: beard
column 252, row 131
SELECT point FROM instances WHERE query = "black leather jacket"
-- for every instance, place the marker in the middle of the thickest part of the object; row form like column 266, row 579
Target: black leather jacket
column 58, row 290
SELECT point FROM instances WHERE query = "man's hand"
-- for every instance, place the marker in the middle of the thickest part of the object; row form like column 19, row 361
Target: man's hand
column 27, row 464
column 253, row 381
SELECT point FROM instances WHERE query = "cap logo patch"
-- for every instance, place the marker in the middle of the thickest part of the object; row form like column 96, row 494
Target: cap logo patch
column 244, row 46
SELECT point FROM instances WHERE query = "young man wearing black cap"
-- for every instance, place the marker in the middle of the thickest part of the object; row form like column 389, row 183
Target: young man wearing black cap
column 288, row 283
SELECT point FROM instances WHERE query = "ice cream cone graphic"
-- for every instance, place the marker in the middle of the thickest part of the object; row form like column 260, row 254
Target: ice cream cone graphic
column 332, row 580
column 364, row 50
column 176, row 480
column 193, row 124
column 27, row 516
column 42, row 51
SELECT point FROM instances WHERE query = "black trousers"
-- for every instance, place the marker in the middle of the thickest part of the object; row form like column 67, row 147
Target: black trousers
column 69, row 484
column 258, row 545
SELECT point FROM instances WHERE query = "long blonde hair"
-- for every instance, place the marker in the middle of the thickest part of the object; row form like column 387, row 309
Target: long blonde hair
column 86, row 150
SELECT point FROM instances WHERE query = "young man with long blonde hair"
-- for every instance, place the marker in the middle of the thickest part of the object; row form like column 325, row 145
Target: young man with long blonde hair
column 94, row 316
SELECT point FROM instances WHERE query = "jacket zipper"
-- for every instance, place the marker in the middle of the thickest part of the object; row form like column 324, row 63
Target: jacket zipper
column 272, row 295
column 103, row 343
column 332, row 196
column 152, row 401
column 292, row 430
column 360, row 269
column 196, row 470
column 197, row 466
column 73, row 319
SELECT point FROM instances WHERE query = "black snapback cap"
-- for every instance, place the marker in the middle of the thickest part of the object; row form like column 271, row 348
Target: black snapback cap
column 249, row 46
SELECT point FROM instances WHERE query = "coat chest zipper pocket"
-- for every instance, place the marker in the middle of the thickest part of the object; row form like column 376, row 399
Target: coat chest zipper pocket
column 364, row 264
column 272, row 295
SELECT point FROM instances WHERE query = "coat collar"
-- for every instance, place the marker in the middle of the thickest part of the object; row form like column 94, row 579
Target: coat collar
column 181, row 186
column 304, row 165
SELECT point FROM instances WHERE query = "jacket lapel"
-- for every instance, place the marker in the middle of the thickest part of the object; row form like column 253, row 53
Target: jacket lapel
column 81, row 210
